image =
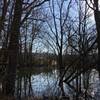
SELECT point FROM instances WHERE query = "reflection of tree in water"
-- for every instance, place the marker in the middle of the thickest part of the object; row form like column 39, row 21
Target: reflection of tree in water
column 46, row 85
column 24, row 86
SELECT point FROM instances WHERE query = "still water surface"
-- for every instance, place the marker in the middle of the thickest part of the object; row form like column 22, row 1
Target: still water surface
column 46, row 84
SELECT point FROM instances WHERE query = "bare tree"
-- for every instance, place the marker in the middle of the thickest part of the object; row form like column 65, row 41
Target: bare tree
column 81, row 40
column 94, row 5
column 57, row 21
column 19, row 17
column 56, row 31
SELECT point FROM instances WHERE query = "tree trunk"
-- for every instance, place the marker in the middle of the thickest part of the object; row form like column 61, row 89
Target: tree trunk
column 97, row 20
column 9, row 81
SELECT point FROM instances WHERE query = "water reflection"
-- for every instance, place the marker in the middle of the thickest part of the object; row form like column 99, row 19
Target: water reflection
column 47, row 84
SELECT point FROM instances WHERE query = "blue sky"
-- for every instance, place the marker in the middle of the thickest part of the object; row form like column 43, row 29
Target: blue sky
column 38, row 45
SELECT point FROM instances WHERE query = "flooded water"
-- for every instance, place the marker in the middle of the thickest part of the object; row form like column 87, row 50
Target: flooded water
column 46, row 84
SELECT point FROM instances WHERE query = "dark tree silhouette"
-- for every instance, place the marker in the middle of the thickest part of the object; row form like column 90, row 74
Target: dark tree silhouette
column 95, row 8
column 9, row 83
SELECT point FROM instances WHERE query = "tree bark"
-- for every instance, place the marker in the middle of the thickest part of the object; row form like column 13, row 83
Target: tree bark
column 97, row 20
column 9, row 81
